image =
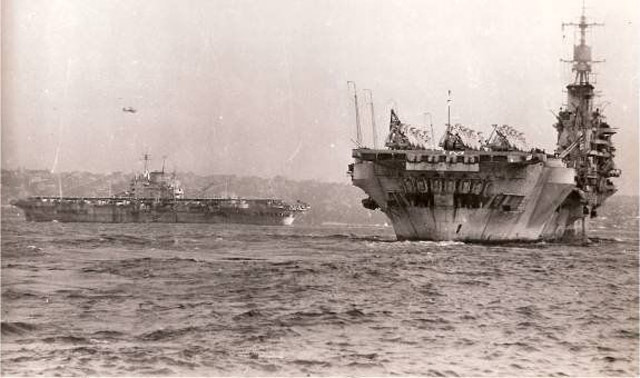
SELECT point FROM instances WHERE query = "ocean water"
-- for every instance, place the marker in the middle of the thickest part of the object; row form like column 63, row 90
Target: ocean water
column 214, row 300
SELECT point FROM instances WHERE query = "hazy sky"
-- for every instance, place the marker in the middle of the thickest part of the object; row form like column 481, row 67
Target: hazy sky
column 259, row 87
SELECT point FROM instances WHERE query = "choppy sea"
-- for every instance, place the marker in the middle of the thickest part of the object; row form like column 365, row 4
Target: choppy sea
column 216, row 300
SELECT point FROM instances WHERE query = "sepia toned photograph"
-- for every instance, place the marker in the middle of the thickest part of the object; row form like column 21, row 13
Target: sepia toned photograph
column 339, row 188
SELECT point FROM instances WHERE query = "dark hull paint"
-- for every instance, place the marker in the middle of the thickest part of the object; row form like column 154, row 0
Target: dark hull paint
column 125, row 211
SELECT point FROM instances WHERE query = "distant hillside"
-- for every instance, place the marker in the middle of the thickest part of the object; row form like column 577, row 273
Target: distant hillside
column 330, row 202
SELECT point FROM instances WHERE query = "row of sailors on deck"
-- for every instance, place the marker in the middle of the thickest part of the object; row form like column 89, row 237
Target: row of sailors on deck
column 84, row 201
column 408, row 136
column 504, row 137
column 508, row 137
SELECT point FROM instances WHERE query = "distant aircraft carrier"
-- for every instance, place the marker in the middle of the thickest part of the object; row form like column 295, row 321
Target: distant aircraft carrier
column 157, row 197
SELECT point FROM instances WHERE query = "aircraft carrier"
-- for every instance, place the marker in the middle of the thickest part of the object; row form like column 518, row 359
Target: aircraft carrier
column 156, row 197
column 472, row 188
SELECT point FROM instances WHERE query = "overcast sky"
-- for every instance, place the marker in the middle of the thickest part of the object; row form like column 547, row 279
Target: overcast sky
column 260, row 87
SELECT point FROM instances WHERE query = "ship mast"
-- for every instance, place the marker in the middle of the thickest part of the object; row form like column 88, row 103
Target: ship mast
column 582, row 52
column 448, row 110
column 358, row 128
column 373, row 118
column 146, row 157
column 584, row 138
column 445, row 140
column 433, row 138
column 580, row 92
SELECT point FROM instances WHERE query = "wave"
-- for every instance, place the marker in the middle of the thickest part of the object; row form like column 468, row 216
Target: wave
column 347, row 300
column 66, row 339
column 168, row 334
column 17, row 328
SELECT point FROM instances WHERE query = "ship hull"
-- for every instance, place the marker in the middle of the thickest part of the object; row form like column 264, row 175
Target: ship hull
column 127, row 211
column 432, row 195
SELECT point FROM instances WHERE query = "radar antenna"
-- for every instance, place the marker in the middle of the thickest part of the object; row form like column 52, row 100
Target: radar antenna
column 582, row 52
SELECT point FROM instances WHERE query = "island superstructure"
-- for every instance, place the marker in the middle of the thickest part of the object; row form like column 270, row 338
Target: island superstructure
column 473, row 188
